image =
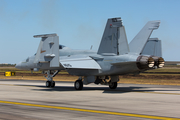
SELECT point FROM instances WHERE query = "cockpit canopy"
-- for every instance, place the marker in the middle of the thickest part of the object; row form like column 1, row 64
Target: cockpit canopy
column 61, row 46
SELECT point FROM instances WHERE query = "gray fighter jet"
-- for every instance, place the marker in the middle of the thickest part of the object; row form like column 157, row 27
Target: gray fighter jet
column 114, row 57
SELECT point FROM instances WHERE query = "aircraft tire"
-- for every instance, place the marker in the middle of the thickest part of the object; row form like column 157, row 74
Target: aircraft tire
column 78, row 85
column 48, row 83
column 53, row 84
column 113, row 85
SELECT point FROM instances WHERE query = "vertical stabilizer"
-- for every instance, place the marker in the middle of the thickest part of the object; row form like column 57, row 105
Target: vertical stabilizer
column 139, row 41
column 123, row 43
column 48, row 50
column 153, row 47
column 114, row 41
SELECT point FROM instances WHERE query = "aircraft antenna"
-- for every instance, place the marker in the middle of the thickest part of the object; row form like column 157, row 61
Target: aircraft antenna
column 91, row 47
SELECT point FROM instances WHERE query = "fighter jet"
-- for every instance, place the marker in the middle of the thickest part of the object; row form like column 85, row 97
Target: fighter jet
column 114, row 57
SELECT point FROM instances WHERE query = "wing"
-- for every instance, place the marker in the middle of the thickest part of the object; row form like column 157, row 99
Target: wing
column 79, row 62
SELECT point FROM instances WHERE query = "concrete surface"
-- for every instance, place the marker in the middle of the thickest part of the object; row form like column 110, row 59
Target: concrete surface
column 129, row 101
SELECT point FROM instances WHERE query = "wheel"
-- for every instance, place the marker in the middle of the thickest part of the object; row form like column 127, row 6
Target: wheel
column 53, row 84
column 78, row 85
column 48, row 83
column 113, row 85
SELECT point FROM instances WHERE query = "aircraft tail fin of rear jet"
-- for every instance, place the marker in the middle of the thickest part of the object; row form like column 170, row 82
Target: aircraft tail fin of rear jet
column 153, row 47
column 114, row 40
column 48, row 50
column 138, row 43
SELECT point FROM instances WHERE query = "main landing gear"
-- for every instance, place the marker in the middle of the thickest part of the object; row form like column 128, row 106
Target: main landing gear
column 113, row 85
column 105, row 80
column 49, row 77
column 78, row 85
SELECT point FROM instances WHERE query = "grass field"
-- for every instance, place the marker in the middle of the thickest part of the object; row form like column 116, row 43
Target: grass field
column 164, row 76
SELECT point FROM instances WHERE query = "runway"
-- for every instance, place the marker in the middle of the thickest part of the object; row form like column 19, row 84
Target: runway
column 30, row 99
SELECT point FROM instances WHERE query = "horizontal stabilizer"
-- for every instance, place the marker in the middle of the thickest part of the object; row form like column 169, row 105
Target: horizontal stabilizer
column 79, row 62
column 139, row 41
column 172, row 63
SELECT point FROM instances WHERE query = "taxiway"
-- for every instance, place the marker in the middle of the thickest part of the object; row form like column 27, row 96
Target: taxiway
column 30, row 99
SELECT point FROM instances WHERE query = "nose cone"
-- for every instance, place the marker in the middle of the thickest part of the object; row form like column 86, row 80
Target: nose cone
column 18, row 66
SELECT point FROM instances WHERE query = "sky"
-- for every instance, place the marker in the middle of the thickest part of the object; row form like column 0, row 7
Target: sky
column 80, row 24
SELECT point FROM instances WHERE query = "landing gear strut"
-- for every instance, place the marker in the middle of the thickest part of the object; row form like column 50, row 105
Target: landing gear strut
column 105, row 81
column 50, row 82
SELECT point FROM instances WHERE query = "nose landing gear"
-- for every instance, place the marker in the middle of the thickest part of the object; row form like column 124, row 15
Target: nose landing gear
column 49, row 77
column 50, row 83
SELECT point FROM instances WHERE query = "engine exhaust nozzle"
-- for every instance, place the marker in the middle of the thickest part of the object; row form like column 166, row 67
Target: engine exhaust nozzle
column 159, row 61
column 145, row 62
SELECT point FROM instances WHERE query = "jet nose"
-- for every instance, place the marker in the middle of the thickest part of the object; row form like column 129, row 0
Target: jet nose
column 18, row 66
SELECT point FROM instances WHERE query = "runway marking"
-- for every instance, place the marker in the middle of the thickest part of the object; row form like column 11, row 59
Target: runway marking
column 91, row 111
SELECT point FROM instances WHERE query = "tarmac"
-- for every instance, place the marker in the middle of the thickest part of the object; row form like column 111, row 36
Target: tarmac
column 31, row 100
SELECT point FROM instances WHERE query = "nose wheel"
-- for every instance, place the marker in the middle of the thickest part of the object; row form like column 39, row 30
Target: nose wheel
column 50, row 83
column 49, row 77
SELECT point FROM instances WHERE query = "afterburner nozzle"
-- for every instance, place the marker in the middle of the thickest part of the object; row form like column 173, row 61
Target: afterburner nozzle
column 145, row 62
column 159, row 61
